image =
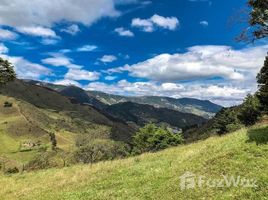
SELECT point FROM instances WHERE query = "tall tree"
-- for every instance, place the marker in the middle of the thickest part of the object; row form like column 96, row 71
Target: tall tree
column 262, row 79
column 258, row 20
column 7, row 72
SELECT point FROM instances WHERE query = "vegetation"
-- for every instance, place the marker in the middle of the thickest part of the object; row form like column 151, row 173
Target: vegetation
column 98, row 150
column 257, row 20
column 250, row 110
column 263, row 85
column 53, row 141
column 153, row 175
column 153, row 138
column 7, row 72
column 260, row 136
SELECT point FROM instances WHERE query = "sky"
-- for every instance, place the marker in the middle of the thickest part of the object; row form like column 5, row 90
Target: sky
column 175, row 48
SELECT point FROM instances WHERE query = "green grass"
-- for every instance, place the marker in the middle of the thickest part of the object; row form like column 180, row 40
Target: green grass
column 152, row 175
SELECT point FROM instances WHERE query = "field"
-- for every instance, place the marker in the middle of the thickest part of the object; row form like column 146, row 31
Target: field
column 155, row 175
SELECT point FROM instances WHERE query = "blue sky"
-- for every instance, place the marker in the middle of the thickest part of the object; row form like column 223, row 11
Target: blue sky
column 176, row 48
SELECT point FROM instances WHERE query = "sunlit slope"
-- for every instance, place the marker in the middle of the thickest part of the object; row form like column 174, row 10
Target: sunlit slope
column 154, row 176
column 24, row 123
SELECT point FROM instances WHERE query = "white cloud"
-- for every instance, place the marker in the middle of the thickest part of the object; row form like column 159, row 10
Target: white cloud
column 78, row 74
column 72, row 29
column 149, row 25
column 59, row 60
column 200, row 62
column 87, row 48
column 37, row 31
column 17, row 13
column 3, row 49
column 7, row 35
column 146, row 25
column 221, row 94
column 108, row 58
column 48, row 41
column 204, row 23
column 170, row 23
column 24, row 68
column 123, row 32
column 67, row 82
column 110, row 78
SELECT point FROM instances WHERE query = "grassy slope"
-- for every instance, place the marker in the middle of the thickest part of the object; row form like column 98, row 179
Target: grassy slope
column 152, row 176
column 25, row 122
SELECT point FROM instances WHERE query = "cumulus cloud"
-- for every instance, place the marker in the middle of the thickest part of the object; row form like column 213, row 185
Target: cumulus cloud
column 108, row 58
column 59, row 60
column 200, row 62
column 110, row 78
column 87, row 48
column 24, row 68
column 17, row 13
column 78, row 74
column 37, row 31
column 72, row 29
column 123, row 32
column 7, row 35
column 149, row 25
column 67, row 82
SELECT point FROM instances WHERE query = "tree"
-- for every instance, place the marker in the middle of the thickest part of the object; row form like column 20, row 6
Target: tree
column 250, row 110
column 153, row 138
column 53, row 140
column 227, row 121
column 258, row 21
column 262, row 79
column 7, row 72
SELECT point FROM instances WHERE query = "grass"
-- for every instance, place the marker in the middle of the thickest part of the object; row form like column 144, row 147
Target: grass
column 153, row 175
column 25, row 122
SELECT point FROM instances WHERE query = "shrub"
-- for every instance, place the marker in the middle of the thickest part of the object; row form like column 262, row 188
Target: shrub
column 153, row 138
column 250, row 110
column 260, row 136
column 8, row 104
column 11, row 170
column 227, row 121
column 99, row 150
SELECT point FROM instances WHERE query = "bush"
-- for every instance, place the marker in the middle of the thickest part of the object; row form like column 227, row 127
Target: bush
column 250, row 110
column 227, row 121
column 153, row 138
column 11, row 170
column 260, row 136
column 99, row 150
column 8, row 104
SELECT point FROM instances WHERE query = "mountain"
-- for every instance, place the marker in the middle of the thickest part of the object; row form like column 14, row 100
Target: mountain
column 155, row 175
column 202, row 108
column 81, row 96
column 198, row 107
column 49, row 100
column 142, row 114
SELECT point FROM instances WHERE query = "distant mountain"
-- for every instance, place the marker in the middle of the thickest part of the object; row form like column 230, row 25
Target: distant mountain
column 98, row 99
column 81, row 96
column 202, row 108
column 142, row 114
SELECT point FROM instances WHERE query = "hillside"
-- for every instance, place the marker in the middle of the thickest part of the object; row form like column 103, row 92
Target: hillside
column 142, row 114
column 198, row 107
column 202, row 108
column 49, row 99
column 154, row 175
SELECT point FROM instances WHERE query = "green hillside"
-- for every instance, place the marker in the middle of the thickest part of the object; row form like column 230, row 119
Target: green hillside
column 155, row 175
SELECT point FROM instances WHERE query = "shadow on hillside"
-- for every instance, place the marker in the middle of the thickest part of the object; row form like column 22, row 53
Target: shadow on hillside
column 260, row 135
